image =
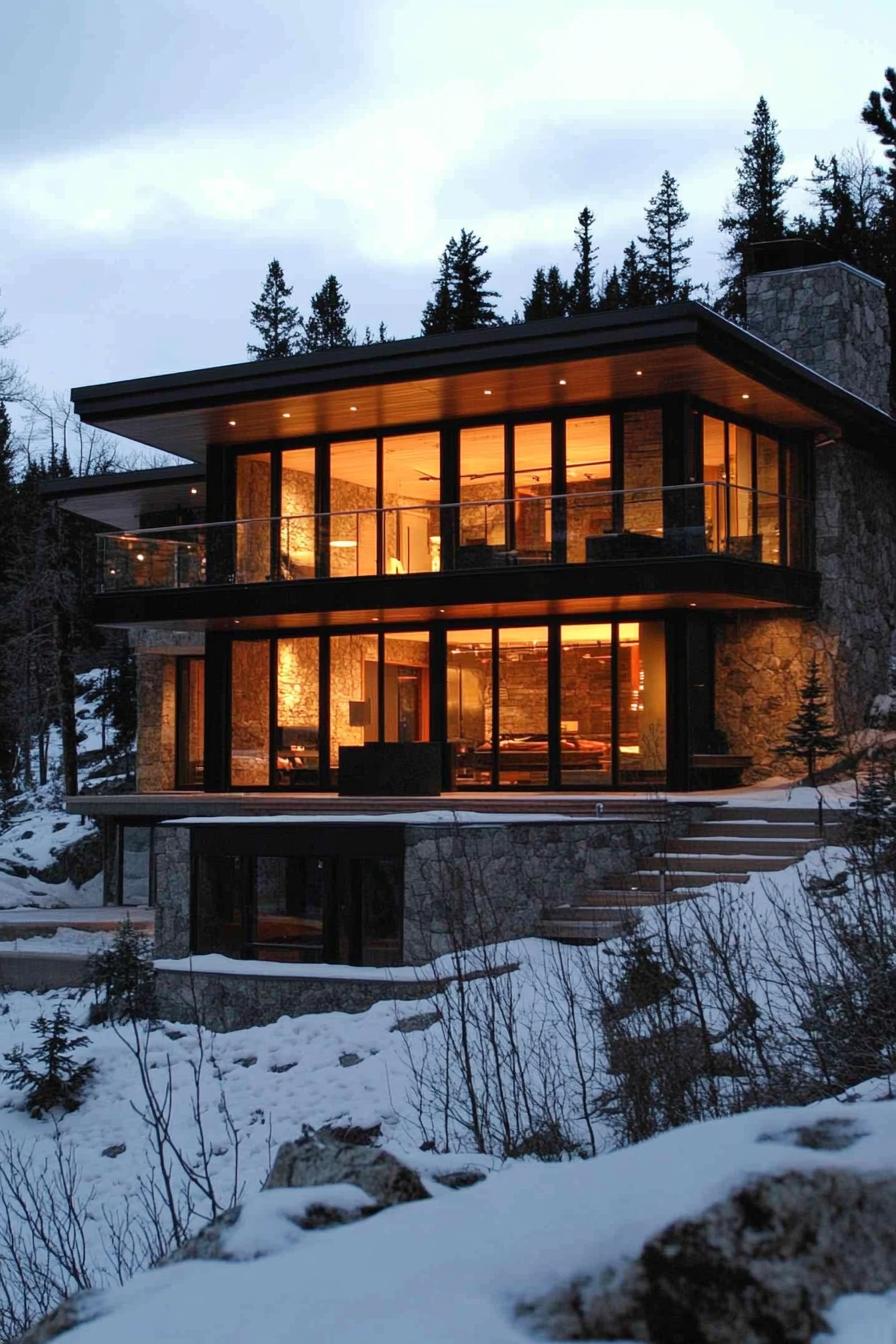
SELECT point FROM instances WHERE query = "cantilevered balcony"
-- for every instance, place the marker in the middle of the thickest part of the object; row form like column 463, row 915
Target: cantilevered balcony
column 577, row 528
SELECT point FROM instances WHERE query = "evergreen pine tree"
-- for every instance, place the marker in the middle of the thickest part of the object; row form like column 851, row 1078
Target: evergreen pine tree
column 636, row 287
column 472, row 300
column 327, row 327
column 757, row 214
column 582, row 290
column 549, row 296
column 874, row 812
column 277, row 323
column 810, row 733
column 666, row 247
column 48, row 1074
column 879, row 113
column 611, row 293
column 438, row 315
column 462, row 300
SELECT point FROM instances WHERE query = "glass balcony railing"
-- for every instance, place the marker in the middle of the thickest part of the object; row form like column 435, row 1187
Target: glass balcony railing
column 581, row 527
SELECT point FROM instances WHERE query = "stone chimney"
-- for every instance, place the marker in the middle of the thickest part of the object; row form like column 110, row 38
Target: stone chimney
column 827, row 315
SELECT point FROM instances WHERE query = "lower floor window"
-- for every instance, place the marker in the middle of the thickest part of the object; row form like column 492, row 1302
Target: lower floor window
column 577, row 704
column 341, row 908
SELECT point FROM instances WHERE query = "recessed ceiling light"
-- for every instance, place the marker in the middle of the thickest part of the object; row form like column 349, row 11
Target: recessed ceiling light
column 353, row 408
column 562, row 382
column 692, row 604
column 745, row 396
column 487, row 392
column 193, row 490
column 374, row 619
column 231, row 422
column 639, row 373
column 237, row 621
column 140, row 555
column 442, row 611
column 286, row 415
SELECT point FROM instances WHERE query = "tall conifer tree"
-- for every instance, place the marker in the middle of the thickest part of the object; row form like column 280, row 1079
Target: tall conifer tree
column 327, row 327
column 462, row 298
column 549, row 296
column 879, row 113
column 277, row 323
column 636, row 288
column 666, row 247
column 757, row 214
column 583, row 289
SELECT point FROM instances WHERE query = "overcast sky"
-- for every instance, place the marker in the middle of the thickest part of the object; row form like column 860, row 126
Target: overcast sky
column 157, row 153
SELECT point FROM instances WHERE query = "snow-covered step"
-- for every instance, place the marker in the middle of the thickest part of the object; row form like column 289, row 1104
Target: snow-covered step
column 770, row 830
column 754, row 846
column 719, row 863
column 655, row 880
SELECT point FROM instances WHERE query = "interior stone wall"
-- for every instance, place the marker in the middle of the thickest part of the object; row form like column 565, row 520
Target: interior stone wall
column 249, row 702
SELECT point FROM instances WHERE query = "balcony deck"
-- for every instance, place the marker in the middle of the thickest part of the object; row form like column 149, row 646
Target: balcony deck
column 674, row 546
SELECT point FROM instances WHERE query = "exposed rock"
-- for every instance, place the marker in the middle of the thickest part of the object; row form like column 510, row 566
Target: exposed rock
column 283, row 1068
column 115, row 1150
column 417, row 1022
column 77, row 862
column 73, row 1311
column 459, row 1180
column 349, row 1060
column 761, row 1265
column 831, row 1134
column 366, row 1135
column 324, row 1159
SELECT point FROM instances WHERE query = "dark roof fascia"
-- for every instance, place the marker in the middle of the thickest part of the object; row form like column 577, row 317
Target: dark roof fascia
column 511, row 345
column 111, row 481
column 392, row 361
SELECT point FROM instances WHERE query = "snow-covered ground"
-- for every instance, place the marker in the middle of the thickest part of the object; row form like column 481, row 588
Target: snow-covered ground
column 454, row 1268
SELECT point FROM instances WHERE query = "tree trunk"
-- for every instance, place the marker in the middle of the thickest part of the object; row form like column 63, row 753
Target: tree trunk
column 65, row 690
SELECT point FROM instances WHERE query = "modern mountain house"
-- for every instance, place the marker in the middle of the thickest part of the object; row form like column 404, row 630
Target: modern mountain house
column 581, row 556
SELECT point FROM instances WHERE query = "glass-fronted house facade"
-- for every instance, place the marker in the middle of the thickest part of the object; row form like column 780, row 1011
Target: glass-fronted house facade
column 519, row 547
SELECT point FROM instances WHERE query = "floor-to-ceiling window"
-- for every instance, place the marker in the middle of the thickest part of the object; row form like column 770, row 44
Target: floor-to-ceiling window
column 354, row 692
column 297, row 744
column 353, row 501
column 586, row 705
column 532, row 502
column 406, row 687
column 249, row 713
column 642, row 471
column 468, row 705
column 641, row 702
column 599, row 720
column 744, row 504
column 482, row 529
column 298, row 505
column 523, row 705
column 410, row 499
column 589, row 502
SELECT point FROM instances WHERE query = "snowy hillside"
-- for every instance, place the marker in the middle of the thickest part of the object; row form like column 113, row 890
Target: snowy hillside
column 38, row 831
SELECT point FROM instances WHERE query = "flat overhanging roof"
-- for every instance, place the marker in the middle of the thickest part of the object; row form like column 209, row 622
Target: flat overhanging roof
column 120, row 498
column 487, row 372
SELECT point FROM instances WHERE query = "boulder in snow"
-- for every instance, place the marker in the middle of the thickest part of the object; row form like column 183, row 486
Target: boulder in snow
column 326, row 1158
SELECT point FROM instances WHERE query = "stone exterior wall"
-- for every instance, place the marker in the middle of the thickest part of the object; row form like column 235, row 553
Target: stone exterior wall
column 761, row 660
column 155, row 722
column 501, row 877
column 233, row 1002
column 156, row 651
column 834, row 319
column 171, row 859
column 831, row 317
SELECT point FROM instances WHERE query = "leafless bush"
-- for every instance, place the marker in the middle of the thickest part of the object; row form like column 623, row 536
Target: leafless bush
column 703, row 1008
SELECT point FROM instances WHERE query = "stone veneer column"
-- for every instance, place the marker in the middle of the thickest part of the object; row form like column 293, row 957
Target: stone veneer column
column 832, row 318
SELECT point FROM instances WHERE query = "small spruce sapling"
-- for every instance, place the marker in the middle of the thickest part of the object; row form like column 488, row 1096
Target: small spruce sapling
column 121, row 978
column 48, row 1075
column 810, row 733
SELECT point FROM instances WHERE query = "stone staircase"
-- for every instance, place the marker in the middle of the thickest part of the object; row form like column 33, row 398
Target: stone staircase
column 735, row 842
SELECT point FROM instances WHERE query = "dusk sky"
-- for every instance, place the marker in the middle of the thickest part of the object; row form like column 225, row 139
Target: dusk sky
column 158, row 153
